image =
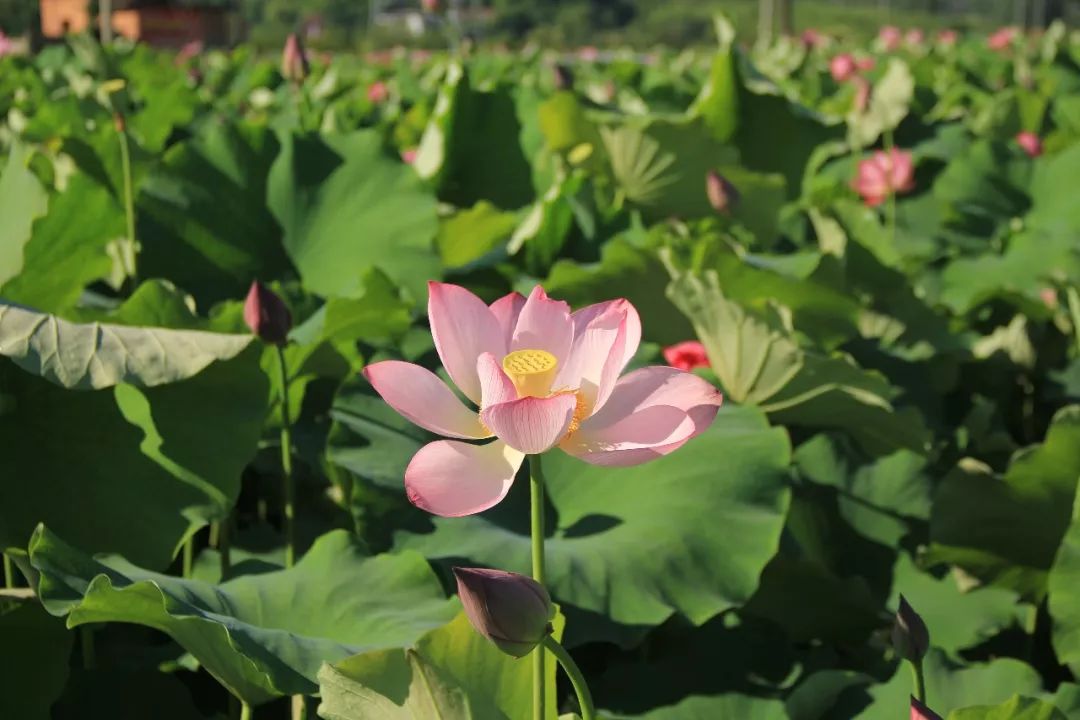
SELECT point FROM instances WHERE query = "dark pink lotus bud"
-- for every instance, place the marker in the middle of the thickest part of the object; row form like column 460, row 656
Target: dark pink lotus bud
column 267, row 315
column 1002, row 38
column 513, row 611
column 294, row 61
column 811, row 38
column 889, row 37
column 842, row 67
column 910, row 637
column 921, row 712
column 1030, row 143
column 378, row 92
column 723, row 196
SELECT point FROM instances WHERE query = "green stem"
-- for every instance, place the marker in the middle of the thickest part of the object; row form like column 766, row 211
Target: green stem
column 189, row 556
column 577, row 679
column 89, row 656
column 245, row 711
column 286, row 463
column 920, row 682
column 536, row 487
column 131, row 251
column 9, row 572
column 1074, row 310
column 219, row 539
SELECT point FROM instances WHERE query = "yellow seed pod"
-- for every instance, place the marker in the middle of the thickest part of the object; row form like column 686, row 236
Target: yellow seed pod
column 532, row 371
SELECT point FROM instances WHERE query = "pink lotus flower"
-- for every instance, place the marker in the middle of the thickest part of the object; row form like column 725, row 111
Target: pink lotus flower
column 865, row 64
column 686, row 355
column 541, row 377
column 189, row 50
column 811, row 38
column 921, row 712
column 294, row 61
column 377, row 92
column 947, row 38
column 1030, row 142
column 589, row 54
column 883, row 174
column 842, row 67
column 408, row 155
column 7, row 47
column 1002, row 38
column 889, row 37
column 914, row 37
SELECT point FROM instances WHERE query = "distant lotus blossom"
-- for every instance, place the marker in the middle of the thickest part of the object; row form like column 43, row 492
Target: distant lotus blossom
column 294, row 61
column 865, row 64
column 378, row 92
column 1030, row 142
column 842, row 67
column 723, row 196
column 188, row 51
column 540, row 377
column 686, row 355
column 409, row 155
column 589, row 53
column 1049, row 298
column 947, row 38
column 1002, row 38
column 883, row 174
column 813, row 39
column 890, row 37
column 7, row 47
column 430, row 6
column 921, row 712
column 914, row 37
column 862, row 93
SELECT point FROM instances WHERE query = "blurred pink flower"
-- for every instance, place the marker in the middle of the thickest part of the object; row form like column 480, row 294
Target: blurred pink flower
column 589, row 53
column 862, row 93
column 189, row 50
column 409, row 155
column 7, row 47
column 883, row 174
column 686, row 355
column 947, row 38
column 1049, row 297
column 294, row 61
column 914, row 37
column 890, row 37
column 377, row 92
column 430, row 6
column 842, row 67
column 865, row 64
column 813, row 39
column 1030, row 142
column 541, row 377
column 1002, row 38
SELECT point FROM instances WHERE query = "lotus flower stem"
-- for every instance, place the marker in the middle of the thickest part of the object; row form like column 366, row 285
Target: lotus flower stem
column 286, row 463
column 920, row 682
column 130, row 252
column 219, row 539
column 1074, row 311
column 577, row 679
column 189, row 557
column 536, row 497
column 245, row 711
column 9, row 572
column 86, row 638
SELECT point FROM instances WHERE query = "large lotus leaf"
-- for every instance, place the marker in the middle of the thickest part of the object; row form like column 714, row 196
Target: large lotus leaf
column 983, row 189
column 950, row 686
column 879, row 499
column 22, row 201
column 260, row 636
column 1017, row 708
column 166, row 96
column 1063, row 586
column 718, row 100
column 471, row 149
column 203, row 220
column 1006, row 530
column 637, row 545
column 759, row 362
column 1054, row 207
column 451, row 673
column 743, row 707
column 68, row 247
column 470, row 234
column 36, row 648
column 345, row 206
column 564, row 124
column 628, row 271
column 92, row 356
column 957, row 620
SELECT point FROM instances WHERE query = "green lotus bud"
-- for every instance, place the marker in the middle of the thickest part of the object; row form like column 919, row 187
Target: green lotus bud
column 510, row 610
column 909, row 634
column 267, row 315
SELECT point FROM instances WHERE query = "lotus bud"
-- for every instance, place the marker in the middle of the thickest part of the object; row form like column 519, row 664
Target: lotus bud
column 842, row 67
column 1030, row 143
column 686, row 355
column 510, row 610
column 294, row 61
column 562, row 77
column 430, row 6
column 921, row 712
column 909, row 634
column 722, row 194
column 267, row 315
